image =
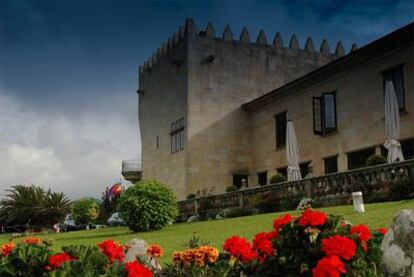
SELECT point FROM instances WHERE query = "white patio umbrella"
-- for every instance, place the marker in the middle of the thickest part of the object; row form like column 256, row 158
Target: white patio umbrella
column 392, row 124
column 292, row 152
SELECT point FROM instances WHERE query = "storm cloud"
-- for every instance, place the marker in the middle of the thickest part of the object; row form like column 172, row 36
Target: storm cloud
column 68, row 73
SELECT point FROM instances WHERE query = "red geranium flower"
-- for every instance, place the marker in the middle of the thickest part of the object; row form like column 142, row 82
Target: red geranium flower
column 58, row 259
column 240, row 248
column 329, row 267
column 112, row 250
column 135, row 269
column 382, row 231
column 282, row 220
column 7, row 248
column 154, row 250
column 272, row 234
column 339, row 246
column 262, row 243
column 363, row 233
column 312, row 218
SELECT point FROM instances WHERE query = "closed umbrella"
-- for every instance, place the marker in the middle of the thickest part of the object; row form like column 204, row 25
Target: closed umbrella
column 392, row 124
column 292, row 152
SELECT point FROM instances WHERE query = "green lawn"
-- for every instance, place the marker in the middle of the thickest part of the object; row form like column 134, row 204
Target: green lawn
column 173, row 237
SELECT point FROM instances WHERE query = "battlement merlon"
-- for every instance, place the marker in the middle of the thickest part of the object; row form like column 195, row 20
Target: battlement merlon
column 189, row 30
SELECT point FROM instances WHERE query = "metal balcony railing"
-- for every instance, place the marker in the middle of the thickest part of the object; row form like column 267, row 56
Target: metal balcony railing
column 131, row 166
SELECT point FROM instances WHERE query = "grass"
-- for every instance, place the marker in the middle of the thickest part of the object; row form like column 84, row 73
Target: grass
column 215, row 232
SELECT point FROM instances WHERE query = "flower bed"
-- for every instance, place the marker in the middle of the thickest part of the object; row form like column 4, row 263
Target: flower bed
column 313, row 244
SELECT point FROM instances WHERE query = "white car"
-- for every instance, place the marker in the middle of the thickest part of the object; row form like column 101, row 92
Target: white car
column 116, row 220
column 69, row 224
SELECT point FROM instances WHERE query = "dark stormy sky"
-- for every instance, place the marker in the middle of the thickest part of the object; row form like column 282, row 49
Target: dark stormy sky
column 68, row 73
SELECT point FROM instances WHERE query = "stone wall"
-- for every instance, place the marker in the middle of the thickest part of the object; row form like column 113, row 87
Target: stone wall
column 162, row 100
column 225, row 72
column 360, row 115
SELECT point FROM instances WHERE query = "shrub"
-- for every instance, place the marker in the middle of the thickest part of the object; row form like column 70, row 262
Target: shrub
column 402, row 189
column 37, row 259
column 32, row 204
column 289, row 202
column 277, row 178
column 266, row 202
column 310, row 245
column 85, row 211
column 231, row 188
column 237, row 212
column 148, row 205
column 375, row 159
column 191, row 196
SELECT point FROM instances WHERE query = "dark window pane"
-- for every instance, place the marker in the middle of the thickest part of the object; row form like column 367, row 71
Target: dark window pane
column 359, row 158
column 262, row 178
column 396, row 75
column 329, row 111
column 304, row 168
column 280, row 129
column 182, row 139
column 238, row 180
column 317, row 115
column 408, row 148
column 282, row 170
column 331, row 164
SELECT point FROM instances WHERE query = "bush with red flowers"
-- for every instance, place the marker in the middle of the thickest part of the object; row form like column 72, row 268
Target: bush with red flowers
column 312, row 244
column 315, row 244
column 33, row 257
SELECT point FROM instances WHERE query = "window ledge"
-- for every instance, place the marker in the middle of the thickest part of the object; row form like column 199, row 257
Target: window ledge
column 280, row 148
column 403, row 113
column 332, row 133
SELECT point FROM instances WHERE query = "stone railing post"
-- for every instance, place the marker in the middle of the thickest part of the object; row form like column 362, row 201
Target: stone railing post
column 196, row 206
column 241, row 202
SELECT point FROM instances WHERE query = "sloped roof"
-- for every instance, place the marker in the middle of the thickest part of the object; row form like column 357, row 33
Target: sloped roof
column 395, row 40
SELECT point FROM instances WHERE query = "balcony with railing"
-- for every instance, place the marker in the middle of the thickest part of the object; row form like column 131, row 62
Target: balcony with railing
column 328, row 190
column 132, row 170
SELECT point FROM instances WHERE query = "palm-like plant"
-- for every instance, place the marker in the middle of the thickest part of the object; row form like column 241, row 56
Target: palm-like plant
column 55, row 206
column 33, row 205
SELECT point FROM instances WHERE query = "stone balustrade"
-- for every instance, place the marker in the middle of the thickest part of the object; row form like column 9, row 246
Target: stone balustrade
column 327, row 190
column 132, row 170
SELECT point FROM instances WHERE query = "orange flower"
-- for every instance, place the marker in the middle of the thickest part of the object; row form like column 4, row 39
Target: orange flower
column 177, row 257
column 154, row 250
column 199, row 258
column 7, row 248
column 211, row 253
column 32, row 240
column 188, row 256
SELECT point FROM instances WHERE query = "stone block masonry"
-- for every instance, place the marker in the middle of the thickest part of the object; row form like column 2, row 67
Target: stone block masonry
column 205, row 79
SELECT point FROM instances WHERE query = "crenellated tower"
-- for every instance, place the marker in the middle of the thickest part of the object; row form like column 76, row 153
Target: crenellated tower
column 194, row 86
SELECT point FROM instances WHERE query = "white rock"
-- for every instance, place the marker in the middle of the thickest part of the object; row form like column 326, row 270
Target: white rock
column 137, row 248
column 398, row 246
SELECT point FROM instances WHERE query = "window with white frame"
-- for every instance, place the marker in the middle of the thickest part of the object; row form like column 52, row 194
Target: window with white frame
column 177, row 135
column 324, row 113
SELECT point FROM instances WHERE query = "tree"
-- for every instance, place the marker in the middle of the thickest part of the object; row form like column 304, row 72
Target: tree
column 148, row 205
column 33, row 205
column 85, row 211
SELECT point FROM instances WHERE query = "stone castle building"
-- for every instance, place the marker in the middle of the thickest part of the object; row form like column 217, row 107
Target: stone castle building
column 213, row 110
